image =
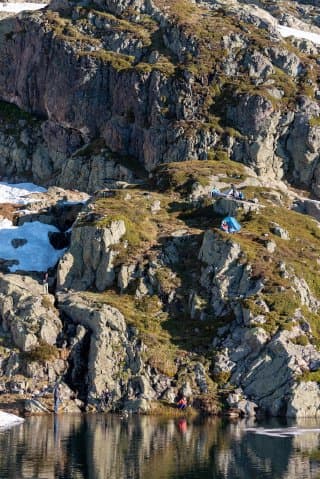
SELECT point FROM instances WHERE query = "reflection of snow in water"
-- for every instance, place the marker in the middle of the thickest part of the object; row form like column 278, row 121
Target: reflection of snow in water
column 20, row 6
column 9, row 420
column 282, row 432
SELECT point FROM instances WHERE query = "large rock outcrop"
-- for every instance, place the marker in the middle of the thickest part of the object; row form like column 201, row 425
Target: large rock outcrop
column 223, row 276
column 144, row 91
column 26, row 313
column 267, row 367
column 89, row 261
column 265, row 364
column 114, row 358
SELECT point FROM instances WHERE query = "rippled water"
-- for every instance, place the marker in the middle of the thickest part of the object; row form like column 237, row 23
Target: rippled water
column 104, row 447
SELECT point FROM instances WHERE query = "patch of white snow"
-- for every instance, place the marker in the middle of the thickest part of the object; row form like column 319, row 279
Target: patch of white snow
column 18, row 193
column 37, row 254
column 295, row 32
column 18, row 7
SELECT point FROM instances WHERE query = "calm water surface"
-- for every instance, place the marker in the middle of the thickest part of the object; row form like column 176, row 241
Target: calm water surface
column 103, row 447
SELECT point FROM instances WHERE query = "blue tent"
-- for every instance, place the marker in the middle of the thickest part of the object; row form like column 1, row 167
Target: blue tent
column 230, row 225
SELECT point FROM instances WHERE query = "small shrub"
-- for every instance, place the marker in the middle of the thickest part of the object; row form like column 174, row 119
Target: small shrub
column 301, row 340
column 160, row 360
column 222, row 377
column 46, row 302
column 42, row 353
column 314, row 121
column 310, row 376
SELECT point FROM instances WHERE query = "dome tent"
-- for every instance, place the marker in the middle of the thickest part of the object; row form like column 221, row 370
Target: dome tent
column 230, row 225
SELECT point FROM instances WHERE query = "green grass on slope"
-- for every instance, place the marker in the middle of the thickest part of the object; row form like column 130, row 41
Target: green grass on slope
column 300, row 255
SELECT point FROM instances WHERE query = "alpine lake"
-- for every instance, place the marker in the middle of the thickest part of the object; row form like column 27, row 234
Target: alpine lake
column 110, row 447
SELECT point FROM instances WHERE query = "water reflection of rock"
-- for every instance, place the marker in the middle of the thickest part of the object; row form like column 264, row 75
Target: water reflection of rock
column 255, row 455
column 100, row 447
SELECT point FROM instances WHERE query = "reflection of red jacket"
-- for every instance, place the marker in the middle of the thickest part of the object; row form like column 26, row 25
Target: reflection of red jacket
column 182, row 425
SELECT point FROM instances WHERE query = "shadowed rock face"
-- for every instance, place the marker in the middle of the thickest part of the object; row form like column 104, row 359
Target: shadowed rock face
column 84, row 97
column 88, row 76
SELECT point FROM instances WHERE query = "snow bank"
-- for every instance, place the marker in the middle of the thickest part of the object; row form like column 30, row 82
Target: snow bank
column 18, row 7
column 18, row 193
column 36, row 254
column 295, row 32
column 9, row 420
column 301, row 32
column 34, row 251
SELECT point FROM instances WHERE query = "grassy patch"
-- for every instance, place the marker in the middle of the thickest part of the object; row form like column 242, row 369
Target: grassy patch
column 314, row 121
column 117, row 60
column 47, row 303
column 141, row 30
column 166, row 410
column 12, row 114
column 147, row 316
column 311, row 376
column 181, row 176
column 301, row 340
column 300, row 255
column 42, row 353
column 167, row 280
column 134, row 208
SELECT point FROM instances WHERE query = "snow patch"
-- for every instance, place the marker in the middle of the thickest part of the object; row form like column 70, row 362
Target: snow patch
column 9, row 420
column 295, row 32
column 18, row 7
column 37, row 254
column 18, row 193
column 301, row 29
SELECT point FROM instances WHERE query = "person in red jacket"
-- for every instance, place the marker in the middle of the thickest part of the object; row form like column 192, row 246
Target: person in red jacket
column 182, row 403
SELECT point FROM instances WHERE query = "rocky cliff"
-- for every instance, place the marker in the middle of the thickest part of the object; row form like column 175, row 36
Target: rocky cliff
column 115, row 85
column 147, row 106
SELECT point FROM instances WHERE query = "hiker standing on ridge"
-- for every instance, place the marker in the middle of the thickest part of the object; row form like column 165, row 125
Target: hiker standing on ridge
column 233, row 191
column 45, row 283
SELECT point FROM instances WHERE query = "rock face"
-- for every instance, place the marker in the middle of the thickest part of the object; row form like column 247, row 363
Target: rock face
column 119, row 117
column 114, row 89
column 223, row 276
column 114, row 358
column 30, row 329
column 108, row 334
column 89, row 261
column 304, row 400
column 265, row 366
column 230, row 206
column 25, row 313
